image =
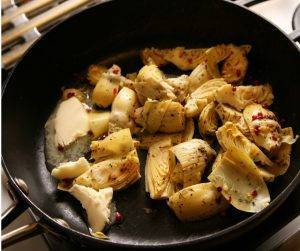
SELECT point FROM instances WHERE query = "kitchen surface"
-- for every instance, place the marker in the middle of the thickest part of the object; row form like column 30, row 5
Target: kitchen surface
column 279, row 232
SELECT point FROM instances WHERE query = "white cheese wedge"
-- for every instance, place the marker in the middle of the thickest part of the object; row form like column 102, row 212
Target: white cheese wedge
column 71, row 122
column 95, row 203
column 71, row 169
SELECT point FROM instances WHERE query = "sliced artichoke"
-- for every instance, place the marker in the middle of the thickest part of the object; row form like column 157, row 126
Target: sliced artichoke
column 281, row 156
column 208, row 120
column 264, row 127
column 241, row 96
column 229, row 136
column 154, row 56
column 151, row 83
column 149, row 139
column 160, row 162
column 218, row 159
column 122, row 111
column 96, row 204
column 116, row 144
column 199, row 76
column 117, row 172
column 99, row 123
column 189, row 130
column 197, row 202
column 193, row 156
column 226, row 113
column 71, row 169
column 181, row 87
column 95, row 72
column 202, row 96
column 240, row 182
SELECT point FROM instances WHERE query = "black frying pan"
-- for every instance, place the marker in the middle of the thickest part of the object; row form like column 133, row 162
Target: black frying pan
column 114, row 32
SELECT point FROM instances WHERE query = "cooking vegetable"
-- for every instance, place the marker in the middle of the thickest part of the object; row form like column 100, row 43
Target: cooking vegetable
column 159, row 164
column 199, row 76
column 71, row 122
column 241, row 96
column 117, row 172
column 240, row 182
column 189, row 130
column 193, row 156
column 197, row 202
column 122, row 111
column 72, row 92
column 202, row 96
column 96, row 204
column 147, row 140
column 208, row 120
column 181, row 87
column 94, row 73
column 226, row 113
column 264, row 127
column 99, row 123
column 71, row 169
column 229, row 136
column 116, row 144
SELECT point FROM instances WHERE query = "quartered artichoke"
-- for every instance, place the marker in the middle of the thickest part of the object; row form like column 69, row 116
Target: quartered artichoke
column 226, row 113
column 197, row 202
column 199, row 76
column 241, row 96
column 151, row 83
column 240, row 182
column 264, row 127
column 208, row 120
column 117, row 172
column 181, row 86
column 116, row 144
column 193, row 156
column 99, row 122
column 229, row 136
column 202, row 96
column 159, row 165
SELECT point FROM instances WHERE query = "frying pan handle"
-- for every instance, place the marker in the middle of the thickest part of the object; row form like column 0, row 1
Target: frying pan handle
column 18, row 206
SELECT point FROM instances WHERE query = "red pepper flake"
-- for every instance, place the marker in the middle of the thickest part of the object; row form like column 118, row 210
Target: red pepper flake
column 274, row 137
column 238, row 72
column 190, row 60
column 229, row 199
column 256, row 129
column 70, row 94
column 116, row 71
column 258, row 116
column 219, row 189
column 233, row 88
column 266, row 106
column 60, row 148
column 181, row 53
column 119, row 217
column 115, row 91
column 254, row 193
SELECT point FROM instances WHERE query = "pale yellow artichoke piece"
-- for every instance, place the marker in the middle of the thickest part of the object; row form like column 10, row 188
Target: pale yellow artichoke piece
column 241, row 96
column 151, row 83
column 189, row 131
column 240, row 182
column 159, row 164
column 282, row 154
column 95, row 72
column 264, row 127
column 199, row 76
column 202, row 96
column 71, row 169
column 266, row 175
column 235, row 66
column 218, row 159
column 193, row 156
column 197, row 202
column 71, row 122
column 99, row 123
column 122, row 111
column 228, row 114
column 181, row 87
column 117, row 172
column 149, row 139
column 230, row 136
column 72, row 92
column 96, row 204
column 116, row 144
column 154, row 56
column 208, row 120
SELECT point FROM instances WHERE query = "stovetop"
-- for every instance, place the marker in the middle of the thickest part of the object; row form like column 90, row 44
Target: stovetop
column 273, row 234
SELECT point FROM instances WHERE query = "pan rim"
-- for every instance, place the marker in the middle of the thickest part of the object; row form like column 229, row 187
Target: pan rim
column 72, row 233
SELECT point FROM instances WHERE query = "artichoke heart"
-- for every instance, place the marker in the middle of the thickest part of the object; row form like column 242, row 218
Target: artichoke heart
column 202, row 96
column 189, row 130
column 197, row 202
column 208, row 120
column 122, row 111
column 264, row 127
column 116, row 144
column 96, row 204
column 240, row 182
column 229, row 136
column 226, row 113
column 181, row 87
column 151, row 83
column 99, row 123
column 117, row 172
column 199, row 76
column 193, row 156
column 241, row 96
column 159, row 164
column 148, row 140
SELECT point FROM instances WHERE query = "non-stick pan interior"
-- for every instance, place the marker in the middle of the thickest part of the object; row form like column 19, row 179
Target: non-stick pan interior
column 115, row 32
